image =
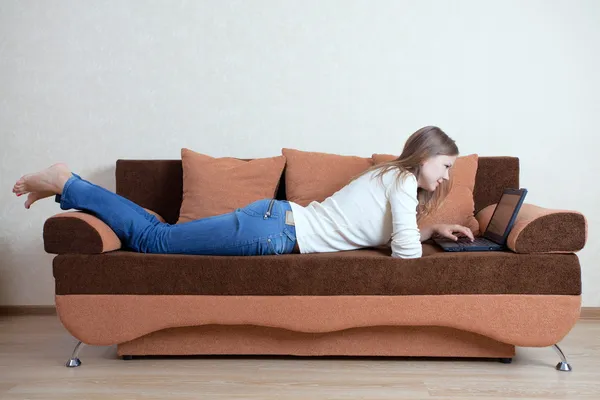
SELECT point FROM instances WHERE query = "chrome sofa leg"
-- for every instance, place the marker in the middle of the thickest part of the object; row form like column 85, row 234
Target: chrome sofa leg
column 74, row 361
column 563, row 365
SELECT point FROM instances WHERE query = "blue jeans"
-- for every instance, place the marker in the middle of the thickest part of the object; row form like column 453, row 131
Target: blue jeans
column 260, row 228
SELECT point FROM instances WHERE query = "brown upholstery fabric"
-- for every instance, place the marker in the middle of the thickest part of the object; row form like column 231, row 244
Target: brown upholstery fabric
column 153, row 184
column 357, row 272
column 407, row 341
column 215, row 186
column 493, row 175
column 542, row 230
column 522, row 320
column 78, row 232
column 158, row 184
column 556, row 232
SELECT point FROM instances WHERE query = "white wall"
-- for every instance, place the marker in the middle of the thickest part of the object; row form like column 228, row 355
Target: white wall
column 90, row 82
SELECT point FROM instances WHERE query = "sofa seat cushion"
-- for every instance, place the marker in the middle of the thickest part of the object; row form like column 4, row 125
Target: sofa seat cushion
column 357, row 272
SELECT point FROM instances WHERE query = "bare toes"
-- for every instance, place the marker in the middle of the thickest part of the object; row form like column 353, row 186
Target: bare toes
column 31, row 198
column 35, row 196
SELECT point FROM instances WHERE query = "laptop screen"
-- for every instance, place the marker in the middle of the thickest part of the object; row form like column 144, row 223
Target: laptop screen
column 503, row 214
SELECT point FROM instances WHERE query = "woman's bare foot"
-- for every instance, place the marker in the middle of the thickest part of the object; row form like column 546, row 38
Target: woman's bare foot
column 45, row 183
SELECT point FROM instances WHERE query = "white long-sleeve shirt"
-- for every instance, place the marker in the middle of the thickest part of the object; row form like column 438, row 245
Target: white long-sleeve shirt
column 364, row 213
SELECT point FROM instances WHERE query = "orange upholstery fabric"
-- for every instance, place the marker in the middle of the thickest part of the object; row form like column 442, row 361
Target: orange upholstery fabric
column 542, row 230
column 458, row 207
column 311, row 176
column 521, row 320
column 411, row 341
column 214, row 186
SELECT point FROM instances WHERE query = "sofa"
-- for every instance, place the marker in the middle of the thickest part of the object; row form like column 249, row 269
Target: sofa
column 348, row 303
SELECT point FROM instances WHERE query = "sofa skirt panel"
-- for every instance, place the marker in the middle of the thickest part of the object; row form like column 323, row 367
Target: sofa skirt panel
column 520, row 320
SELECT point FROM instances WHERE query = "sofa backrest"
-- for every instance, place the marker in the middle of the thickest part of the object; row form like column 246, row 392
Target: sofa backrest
column 158, row 184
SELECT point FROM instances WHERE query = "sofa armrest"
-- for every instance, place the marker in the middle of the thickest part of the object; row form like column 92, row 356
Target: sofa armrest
column 81, row 233
column 78, row 232
column 542, row 230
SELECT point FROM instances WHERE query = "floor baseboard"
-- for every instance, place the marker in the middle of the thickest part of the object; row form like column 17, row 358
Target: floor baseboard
column 587, row 313
column 27, row 310
column 590, row 313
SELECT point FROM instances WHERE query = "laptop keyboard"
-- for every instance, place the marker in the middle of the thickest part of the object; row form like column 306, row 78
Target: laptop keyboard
column 476, row 242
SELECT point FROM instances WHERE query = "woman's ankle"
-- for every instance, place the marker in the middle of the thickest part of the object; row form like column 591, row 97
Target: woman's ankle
column 62, row 180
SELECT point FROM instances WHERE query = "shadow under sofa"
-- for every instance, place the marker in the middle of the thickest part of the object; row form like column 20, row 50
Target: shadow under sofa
column 351, row 303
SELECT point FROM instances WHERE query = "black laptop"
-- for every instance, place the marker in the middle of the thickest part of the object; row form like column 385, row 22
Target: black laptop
column 494, row 237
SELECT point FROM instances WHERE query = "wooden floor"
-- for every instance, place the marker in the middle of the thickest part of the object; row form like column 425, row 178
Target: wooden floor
column 34, row 349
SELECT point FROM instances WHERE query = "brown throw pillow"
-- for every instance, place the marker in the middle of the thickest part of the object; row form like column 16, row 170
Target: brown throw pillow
column 458, row 207
column 311, row 176
column 214, row 186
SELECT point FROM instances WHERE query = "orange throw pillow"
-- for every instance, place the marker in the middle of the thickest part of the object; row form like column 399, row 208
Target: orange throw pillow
column 311, row 176
column 215, row 186
column 459, row 206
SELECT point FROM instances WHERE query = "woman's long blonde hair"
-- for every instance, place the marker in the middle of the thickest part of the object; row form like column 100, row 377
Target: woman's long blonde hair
column 427, row 142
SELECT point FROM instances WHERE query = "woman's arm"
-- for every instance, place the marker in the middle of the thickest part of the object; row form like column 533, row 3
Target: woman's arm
column 426, row 232
column 405, row 234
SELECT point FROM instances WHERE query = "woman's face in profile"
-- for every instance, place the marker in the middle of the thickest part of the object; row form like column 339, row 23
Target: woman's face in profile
column 434, row 171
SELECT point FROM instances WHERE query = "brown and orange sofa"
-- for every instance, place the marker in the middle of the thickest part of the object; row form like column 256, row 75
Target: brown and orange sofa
column 351, row 303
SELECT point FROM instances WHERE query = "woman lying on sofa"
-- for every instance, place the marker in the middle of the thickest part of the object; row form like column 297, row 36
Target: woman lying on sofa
column 377, row 207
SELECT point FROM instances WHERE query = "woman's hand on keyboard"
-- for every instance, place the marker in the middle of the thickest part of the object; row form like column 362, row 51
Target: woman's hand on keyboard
column 450, row 230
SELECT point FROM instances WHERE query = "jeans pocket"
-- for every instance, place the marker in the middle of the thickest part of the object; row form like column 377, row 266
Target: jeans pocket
column 278, row 244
